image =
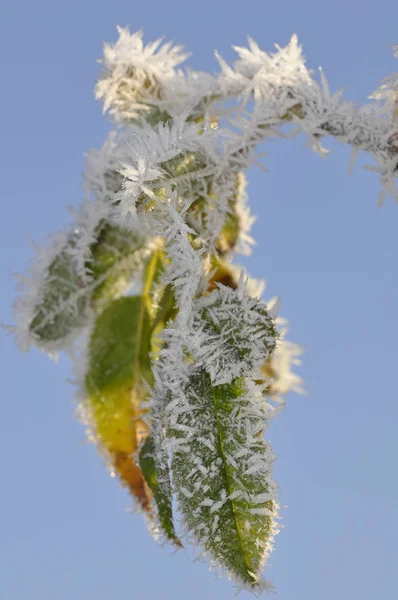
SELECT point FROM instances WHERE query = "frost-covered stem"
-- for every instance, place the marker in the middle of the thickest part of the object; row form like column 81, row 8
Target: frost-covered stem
column 355, row 128
column 359, row 129
column 183, row 272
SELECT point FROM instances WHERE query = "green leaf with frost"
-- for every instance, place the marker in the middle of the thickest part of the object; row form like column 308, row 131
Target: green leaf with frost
column 221, row 469
column 183, row 164
column 63, row 306
column 158, row 479
column 235, row 333
column 66, row 296
column 115, row 257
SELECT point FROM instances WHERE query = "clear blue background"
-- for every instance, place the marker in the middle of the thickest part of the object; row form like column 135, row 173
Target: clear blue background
column 323, row 245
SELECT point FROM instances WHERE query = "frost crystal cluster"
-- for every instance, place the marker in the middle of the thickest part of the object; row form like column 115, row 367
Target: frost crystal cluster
column 179, row 363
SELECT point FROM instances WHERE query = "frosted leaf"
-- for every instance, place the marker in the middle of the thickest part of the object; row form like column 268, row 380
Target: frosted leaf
column 221, row 470
column 233, row 334
column 156, row 474
column 77, row 271
column 62, row 308
column 32, row 288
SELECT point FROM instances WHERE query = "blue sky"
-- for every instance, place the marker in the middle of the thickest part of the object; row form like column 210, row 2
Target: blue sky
column 323, row 246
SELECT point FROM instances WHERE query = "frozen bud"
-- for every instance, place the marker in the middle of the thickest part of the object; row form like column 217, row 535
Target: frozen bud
column 133, row 77
column 117, row 256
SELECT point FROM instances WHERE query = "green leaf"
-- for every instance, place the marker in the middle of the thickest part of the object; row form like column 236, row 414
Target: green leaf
column 158, row 479
column 118, row 362
column 221, row 474
column 115, row 257
column 166, row 312
column 184, row 164
column 66, row 297
column 201, row 207
column 63, row 306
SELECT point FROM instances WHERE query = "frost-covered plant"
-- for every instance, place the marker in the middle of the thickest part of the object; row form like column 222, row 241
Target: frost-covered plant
column 179, row 363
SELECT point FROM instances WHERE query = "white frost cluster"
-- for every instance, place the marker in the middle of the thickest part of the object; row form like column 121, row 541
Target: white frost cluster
column 133, row 73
